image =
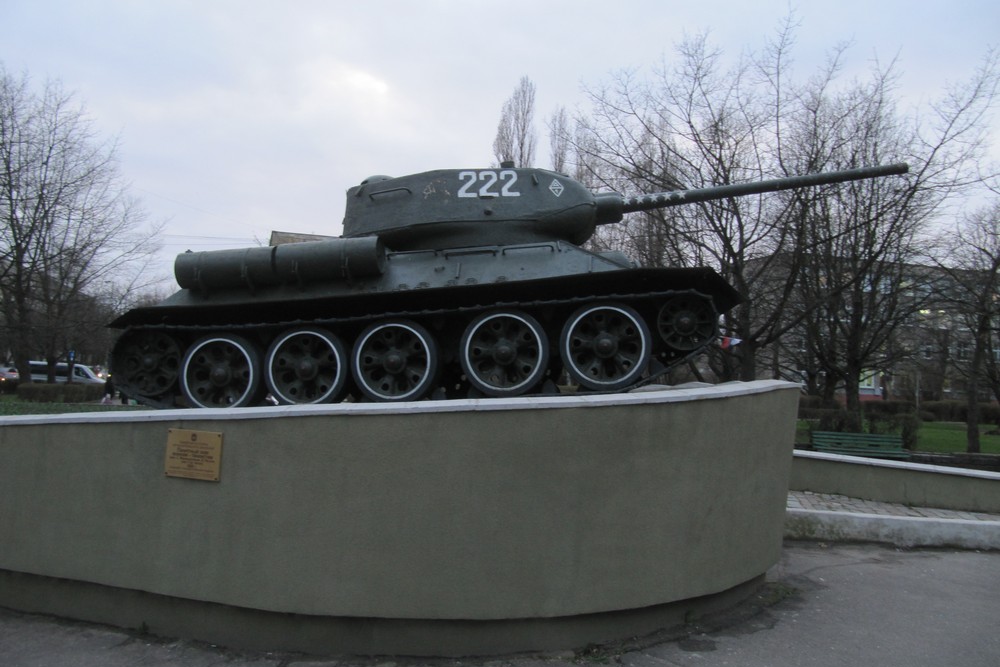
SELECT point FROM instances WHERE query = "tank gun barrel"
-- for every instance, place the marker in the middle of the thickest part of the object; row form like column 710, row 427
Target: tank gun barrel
column 609, row 212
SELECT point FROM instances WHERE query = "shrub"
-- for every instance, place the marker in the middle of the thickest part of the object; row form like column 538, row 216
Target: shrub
column 837, row 419
column 807, row 402
column 816, row 402
column 906, row 425
column 888, row 407
column 816, row 407
column 989, row 412
column 65, row 392
column 945, row 411
column 958, row 411
column 812, row 413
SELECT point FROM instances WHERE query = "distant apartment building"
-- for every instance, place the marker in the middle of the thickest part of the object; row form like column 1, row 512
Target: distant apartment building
column 927, row 357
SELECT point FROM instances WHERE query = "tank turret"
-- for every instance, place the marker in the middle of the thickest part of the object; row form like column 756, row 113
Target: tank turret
column 445, row 283
column 452, row 208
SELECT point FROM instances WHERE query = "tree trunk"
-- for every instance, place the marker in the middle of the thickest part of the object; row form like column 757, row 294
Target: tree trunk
column 972, row 390
column 748, row 361
column 852, row 398
column 972, row 423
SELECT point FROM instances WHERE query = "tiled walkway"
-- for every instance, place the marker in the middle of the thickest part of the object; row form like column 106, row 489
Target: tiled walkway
column 807, row 500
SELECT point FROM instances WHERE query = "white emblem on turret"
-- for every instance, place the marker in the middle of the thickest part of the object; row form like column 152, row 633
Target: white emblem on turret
column 556, row 187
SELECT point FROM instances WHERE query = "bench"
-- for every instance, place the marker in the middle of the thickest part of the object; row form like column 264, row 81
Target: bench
column 859, row 444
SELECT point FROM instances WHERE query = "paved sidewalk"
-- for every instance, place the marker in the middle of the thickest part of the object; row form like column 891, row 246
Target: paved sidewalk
column 807, row 500
column 829, row 517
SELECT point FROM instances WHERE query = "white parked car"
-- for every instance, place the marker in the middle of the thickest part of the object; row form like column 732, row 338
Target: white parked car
column 82, row 374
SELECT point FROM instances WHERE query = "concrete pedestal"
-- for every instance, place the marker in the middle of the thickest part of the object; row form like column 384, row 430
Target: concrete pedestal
column 431, row 528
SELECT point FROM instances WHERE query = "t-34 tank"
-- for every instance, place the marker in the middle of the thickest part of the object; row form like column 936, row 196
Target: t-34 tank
column 446, row 283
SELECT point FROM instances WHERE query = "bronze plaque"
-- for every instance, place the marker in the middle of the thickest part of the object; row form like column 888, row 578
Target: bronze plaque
column 193, row 454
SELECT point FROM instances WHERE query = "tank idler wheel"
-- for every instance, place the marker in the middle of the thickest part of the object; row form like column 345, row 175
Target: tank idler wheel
column 222, row 371
column 504, row 353
column 605, row 347
column 395, row 361
column 146, row 363
column 305, row 366
column 687, row 322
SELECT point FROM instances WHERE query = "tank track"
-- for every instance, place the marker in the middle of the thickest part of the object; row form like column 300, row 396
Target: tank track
column 643, row 305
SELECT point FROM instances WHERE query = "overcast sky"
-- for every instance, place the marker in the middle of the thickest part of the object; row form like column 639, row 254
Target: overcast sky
column 238, row 117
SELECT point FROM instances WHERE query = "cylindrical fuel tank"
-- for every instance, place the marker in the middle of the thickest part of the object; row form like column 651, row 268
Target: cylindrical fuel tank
column 287, row 264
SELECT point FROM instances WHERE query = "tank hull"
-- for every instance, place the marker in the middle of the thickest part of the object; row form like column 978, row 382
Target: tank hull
column 527, row 293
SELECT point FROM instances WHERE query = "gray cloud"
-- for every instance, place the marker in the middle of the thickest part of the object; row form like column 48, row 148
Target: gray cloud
column 239, row 117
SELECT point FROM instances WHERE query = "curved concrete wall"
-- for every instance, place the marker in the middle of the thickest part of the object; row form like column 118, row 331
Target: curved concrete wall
column 914, row 484
column 533, row 508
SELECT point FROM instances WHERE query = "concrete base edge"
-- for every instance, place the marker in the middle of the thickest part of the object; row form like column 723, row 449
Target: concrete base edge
column 900, row 531
column 250, row 629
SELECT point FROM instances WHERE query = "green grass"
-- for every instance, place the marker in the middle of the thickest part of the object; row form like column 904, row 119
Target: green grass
column 11, row 405
column 949, row 437
column 935, row 437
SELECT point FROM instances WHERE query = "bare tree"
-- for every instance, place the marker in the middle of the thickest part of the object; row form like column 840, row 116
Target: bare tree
column 698, row 124
column 860, row 282
column 559, row 139
column 515, row 140
column 973, row 265
column 68, row 229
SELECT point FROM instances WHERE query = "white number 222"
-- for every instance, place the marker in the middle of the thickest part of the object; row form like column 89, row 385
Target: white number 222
column 507, row 178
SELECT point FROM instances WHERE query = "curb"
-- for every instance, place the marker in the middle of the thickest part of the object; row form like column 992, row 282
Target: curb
column 899, row 531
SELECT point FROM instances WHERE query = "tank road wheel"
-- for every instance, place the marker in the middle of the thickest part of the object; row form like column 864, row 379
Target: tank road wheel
column 605, row 347
column 305, row 366
column 504, row 353
column 146, row 363
column 687, row 322
column 221, row 372
column 395, row 361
